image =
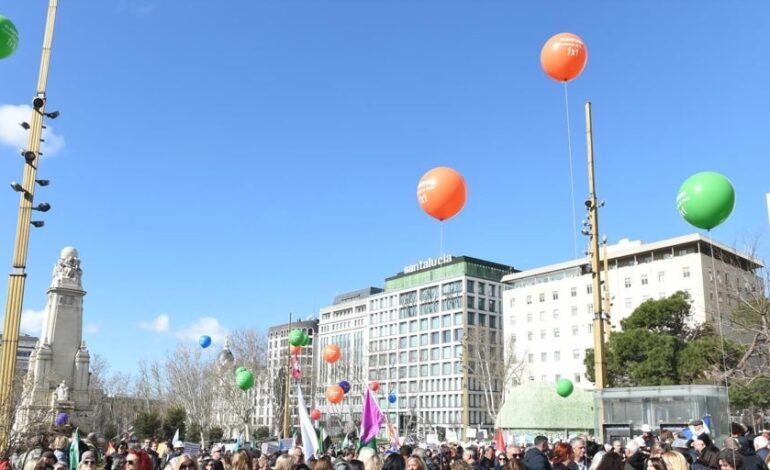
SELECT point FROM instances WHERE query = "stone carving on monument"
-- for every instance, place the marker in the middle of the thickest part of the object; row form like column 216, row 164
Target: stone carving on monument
column 59, row 365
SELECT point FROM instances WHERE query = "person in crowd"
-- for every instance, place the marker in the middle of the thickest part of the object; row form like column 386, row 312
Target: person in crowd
column 263, row 463
column 675, row 461
column 656, row 463
column 635, row 454
column 730, row 459
column 415, row 462
column 610, row 461
column 174, row 456
column 514, row 452
column 137, row 459
column 61, row 445
column 598, row 458
column 471, row 456
column 241, row 460
column 502, row 460
column 487, row 461
column 459, row 465
column 184, row 462
column 617, row 447
column 151, row 447
column 217, row 452
column 707, row 459
column 394, row 462
column 535, row 458
column 324, row 463
column 405, row 451
column 562, row 456
column 356, row 464
column 514, row 464
column 745, row 447
column 298, row 454
column 648, row 436
column 87, row 461
column 697, row 427
column 580, row 460
column 667, row 436
column 761, row 447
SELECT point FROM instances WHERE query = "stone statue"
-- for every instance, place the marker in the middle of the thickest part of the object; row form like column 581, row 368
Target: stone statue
column 68, row 266
column 62, row 392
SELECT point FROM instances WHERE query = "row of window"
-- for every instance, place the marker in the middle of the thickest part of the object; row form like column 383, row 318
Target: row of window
column 576, row 354
column 425, row 370
column 406, row 357
column 341, row 325
column 413, row 341
column 557, row 332
column 414, row 326
column 544, row 378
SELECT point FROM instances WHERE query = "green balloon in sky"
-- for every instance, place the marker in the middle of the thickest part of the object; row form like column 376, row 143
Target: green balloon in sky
column 305, row 339
column 9, row 37
column 564, row 388
column 245, row 379
column 706, row 199
column 296, row 337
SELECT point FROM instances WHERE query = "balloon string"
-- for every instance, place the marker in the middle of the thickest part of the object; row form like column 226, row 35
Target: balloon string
column 571, row 174
column 441, row 238
column 719, row 319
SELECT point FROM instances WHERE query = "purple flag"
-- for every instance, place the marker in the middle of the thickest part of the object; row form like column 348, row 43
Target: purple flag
column 371, row 420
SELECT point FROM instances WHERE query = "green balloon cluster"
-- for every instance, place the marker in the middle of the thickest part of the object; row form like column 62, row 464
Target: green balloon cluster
column 244, row 379
column 706, row 199
column 564, row 388
column 9, row 37
column 298, row 337
column 305, row 339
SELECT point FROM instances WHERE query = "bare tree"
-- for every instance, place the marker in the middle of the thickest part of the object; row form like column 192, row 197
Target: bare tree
column 189, row 385
column 22, row 423
column 489, row 367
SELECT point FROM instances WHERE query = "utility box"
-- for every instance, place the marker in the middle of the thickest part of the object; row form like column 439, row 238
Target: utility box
column 621, row 412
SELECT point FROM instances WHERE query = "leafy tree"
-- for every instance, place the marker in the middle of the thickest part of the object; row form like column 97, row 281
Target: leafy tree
column 261, row 433
column 659, row 346
column 193, row 432
column 174, row 419
column 216, row 433
column 147, row 424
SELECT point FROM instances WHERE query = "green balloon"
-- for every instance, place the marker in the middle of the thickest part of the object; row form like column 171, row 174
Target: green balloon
column 244, row 379
column 239, row 370
column 564, row 388
column 706, row 199
column 305, row 339
column 295, row 337
column 9, row 37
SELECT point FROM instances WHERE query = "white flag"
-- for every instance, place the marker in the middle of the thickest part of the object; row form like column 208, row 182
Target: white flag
column 176, row 437
column 309, row 437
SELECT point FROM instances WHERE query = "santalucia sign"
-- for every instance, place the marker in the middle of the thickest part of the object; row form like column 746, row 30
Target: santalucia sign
column 428, row 263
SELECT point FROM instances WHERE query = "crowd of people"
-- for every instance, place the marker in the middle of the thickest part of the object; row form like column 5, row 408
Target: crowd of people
column 742, row 450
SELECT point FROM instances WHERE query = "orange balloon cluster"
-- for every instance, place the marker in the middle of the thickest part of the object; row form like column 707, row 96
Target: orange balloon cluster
column 331, row 353
column 442, row 192
column 564, row 57
column 335, row 394
column 295, row 350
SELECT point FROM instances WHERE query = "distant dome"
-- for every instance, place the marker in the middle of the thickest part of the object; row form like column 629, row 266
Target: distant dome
column 69, row 252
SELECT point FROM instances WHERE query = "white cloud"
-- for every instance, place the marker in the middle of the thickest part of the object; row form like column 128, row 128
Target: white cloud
column 137, row 7
column 91, row 328
column 13, row 135
column 32, row 321
column 158, row 325
column 203, row 326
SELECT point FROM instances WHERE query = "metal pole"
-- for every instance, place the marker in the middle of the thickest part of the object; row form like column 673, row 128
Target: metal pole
column 286, row 413
column 600, row 363
column 607, row 298
column 17, row 278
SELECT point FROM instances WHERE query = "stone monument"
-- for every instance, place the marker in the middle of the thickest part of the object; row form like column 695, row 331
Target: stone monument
column 59, row 364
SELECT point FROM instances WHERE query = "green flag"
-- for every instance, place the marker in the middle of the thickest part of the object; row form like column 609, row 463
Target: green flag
column 75, row 450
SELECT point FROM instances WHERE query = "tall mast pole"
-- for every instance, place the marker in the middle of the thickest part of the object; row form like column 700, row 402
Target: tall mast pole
column 17, row 278
column 286, row 413
column 600, row 363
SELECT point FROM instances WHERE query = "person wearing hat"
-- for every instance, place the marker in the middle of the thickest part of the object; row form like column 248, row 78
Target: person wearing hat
column 217, row 452
column 88, row 461
column 178, row 451
column 698, row 427
column 649, row 438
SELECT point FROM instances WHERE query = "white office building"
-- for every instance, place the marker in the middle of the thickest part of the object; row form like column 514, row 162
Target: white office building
column 417, row 329
column 548, row 312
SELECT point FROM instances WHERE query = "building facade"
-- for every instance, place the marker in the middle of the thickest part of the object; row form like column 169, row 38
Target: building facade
column 344, row 323
column 278, row 361
column 425, row 331
column 24, row 350
column 548, row 312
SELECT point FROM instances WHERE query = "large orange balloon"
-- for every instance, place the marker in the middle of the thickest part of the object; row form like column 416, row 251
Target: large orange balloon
column 335, row 394
column 331, row 353
column 442, row 192
column 564, row 57
column 295, row 350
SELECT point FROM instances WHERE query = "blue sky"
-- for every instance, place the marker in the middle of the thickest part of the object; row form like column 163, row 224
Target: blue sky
column 225, row 163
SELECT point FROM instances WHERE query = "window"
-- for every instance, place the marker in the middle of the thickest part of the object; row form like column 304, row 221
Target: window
column 576, row 354
column 557, row 355
column 529, row 299
column 589, row 288
column 530, row 358
column 542, row 334
column 434, row 337
column 541, row 315
column 544, row 357
column 574, row 330
column 629, row 302
column 590, row 309
column 556, row 333
column 492, row 306
column 573, row 292
column 471, row 301
column 529, row 317
column 482, row 304
column 542, row 296
column 529, row 336
column 577, row 378
column 482, row 319
column 627, row 282
column 482, row 288
column 574, row 310
column 661, row 276
column 513, row 302
column 686, row 271
column 644, row 279
column 555, row 295
column 470, row 286
column 556, row 314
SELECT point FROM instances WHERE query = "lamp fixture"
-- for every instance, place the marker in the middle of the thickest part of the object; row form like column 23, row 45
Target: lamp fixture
column 17, row 187
column 38, row 102
column 37, row 223
column 42, row 207
column 52, row 115
column 28, row 155
column 24, row 125
column 43, row 182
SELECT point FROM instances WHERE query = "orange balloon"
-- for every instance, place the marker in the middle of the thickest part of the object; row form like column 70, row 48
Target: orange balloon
column 331, row 353
column 564, row 57
column 335, row 394
column 442, row 192
column 295, row 349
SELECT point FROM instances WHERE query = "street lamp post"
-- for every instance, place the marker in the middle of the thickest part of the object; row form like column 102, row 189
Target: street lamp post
column 16, row 281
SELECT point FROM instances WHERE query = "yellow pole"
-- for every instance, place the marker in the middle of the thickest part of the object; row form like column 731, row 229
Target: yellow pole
column 607, row 297
column 17, row 278
column 286, row 413
column 600, row 362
